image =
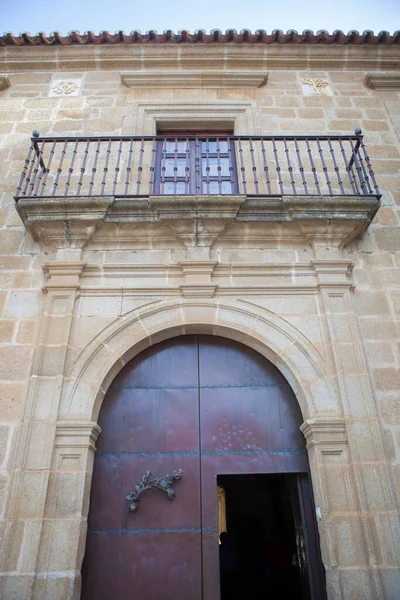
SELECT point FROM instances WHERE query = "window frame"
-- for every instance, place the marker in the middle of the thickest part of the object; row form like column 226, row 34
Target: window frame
column 194, row 180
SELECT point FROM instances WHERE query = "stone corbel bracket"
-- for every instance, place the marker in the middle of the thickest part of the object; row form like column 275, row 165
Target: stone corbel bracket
column 383, row 81
column 194, row 220
column 194, row 79
column 63, row 223
column 197, row 220
column 4, row 82
column 358, row 209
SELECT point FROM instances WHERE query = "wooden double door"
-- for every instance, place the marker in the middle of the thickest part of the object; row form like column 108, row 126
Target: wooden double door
column 210, row 407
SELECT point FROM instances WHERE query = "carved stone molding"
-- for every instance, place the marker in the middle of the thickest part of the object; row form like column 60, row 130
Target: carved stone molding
column 77, row 434
column 4, row 82
column 65, row 87
column 194, row 79
column 236, row 114
column 328, row 433
column 62, row 275
column 334, row 272
column 197, row 278
column 383, row 81
column 316, row 87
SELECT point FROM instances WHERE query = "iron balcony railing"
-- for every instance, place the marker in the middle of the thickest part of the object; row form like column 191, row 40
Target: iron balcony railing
column 185, row 164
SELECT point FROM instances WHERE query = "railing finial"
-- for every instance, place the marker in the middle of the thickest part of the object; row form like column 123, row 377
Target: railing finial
column 358, row 131
column 35, row 133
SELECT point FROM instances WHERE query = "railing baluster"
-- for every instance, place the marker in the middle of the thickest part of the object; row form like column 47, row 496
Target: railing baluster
column 175, row 166
column 290, row 168
column 163, row 167
column 364, row 171
column 152, row 166
column 47, row 169
column 335, row 166
column 277, row 167
column 83, row 168
column 349, row 172
column 116, row 169
column 105, row 170
column 313, row 169
column 71, row 168
column 128, row 166
column 369, row 167
column 301, row 168
column 197, row 167
column 29, row 175
column 242, row 167
column 140, row 166
column 207, row 164
column 24, row 171
column 266, row 171
column 324, row 167
column 231, row 145
column 361, row 179
column 219, row 169
column 38, row 162
column 187, row 167
column 94, row 168
column 59, row 168
column 253, row 166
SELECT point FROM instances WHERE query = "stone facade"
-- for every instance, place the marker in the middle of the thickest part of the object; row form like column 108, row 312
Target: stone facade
column 319, row 297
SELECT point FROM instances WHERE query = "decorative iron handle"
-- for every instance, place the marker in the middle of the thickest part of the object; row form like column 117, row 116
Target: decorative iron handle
column 148, row 482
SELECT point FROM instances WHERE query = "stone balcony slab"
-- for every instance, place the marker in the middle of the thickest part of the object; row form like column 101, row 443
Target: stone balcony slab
column 192, row 220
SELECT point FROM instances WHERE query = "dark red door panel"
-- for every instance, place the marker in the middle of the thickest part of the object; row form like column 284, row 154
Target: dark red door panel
column 147, row 565
column 249, row 423
column 149, row 422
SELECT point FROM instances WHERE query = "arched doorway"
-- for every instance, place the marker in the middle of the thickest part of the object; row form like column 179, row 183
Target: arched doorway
column 227, row 417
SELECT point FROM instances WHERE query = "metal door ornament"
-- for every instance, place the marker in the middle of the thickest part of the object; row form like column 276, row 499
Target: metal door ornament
column 149, row 483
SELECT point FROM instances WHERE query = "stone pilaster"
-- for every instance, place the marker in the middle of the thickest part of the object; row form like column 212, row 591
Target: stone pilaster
column 25, row 509
column 64, row 527
column 367, row 512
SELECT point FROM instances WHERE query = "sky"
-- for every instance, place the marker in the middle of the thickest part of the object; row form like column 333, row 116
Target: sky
column 112, row 15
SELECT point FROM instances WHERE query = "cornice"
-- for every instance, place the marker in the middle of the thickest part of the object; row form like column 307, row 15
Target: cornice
column 223, row 270
column 269, row 288
column 383, row 81
column 200, row 57
column 194, row 79
column 207, row 278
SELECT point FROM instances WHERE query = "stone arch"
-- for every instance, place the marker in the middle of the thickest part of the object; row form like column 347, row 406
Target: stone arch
column 267, row 333
column 262, row 330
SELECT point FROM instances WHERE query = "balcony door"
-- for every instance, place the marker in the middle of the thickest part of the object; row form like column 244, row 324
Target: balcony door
column 195, row 163
column 227, row 417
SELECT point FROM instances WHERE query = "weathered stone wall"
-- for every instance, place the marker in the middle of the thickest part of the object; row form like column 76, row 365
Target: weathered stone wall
column 351, row 336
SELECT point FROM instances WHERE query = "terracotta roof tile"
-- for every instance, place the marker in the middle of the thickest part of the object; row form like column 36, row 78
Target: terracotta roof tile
column 215, row 36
